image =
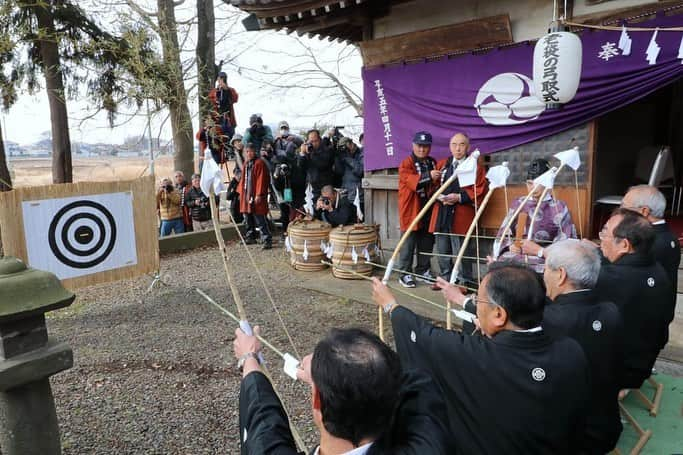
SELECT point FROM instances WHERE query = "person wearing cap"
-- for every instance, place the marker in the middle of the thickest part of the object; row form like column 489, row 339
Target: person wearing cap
column 224, row 98
column 454, row 211
column 286, row 143
column 510, row 389
column 575, row 310
column 553, row 223
column 257, row 133
column 418, row 178
column 350, row 166
column 253, row 189
column 288, row 179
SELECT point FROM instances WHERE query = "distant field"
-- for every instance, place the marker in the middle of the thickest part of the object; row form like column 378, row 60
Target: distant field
column 38, row 171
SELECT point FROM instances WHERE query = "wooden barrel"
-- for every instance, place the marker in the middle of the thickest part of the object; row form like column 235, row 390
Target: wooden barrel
column 306, row 240
column 351, row 247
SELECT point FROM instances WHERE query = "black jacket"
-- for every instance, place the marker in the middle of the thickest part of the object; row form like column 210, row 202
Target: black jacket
column 319, row 167
column 516, row 393
column 640, row 288
column 344, row 213
column 420, row 425
column 198, row 203
column 597, row 327
column 667, row 251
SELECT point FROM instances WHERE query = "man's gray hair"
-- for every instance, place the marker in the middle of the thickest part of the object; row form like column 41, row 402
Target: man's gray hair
column 580, row 260
column 651, row 197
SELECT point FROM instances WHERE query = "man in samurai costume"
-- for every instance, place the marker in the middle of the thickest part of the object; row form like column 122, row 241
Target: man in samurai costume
column 363, row 402
column 253, row 189
column 553, row 222
column 511, row 389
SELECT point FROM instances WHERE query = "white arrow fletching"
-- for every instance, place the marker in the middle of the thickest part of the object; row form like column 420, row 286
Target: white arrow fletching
column 291, row 365
column 570, row 158
column 467, row 171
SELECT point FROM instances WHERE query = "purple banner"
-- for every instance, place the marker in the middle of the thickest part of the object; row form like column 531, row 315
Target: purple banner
column 490, row 96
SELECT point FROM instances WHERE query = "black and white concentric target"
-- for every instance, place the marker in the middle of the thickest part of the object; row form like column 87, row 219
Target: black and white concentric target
column 82, row 234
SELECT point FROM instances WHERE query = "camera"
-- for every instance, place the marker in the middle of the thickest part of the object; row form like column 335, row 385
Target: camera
column 282, row 170
column 169, row 188
column 326, row 200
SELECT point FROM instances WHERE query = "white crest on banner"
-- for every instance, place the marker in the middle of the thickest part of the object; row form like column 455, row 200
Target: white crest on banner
column 305, row 253
column 625, row 41
column 547, row 179
column 212, row 175
column 356, row 202
column 653, row 49
column 498, row 176
column 308, row 206
column 508, row 99
column 467, row 171
column 570, row 157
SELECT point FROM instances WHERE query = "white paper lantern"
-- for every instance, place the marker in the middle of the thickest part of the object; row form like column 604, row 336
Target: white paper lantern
column 557, row 68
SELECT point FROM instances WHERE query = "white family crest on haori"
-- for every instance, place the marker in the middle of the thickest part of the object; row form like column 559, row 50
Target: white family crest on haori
column 508, row 99
column 81, row 235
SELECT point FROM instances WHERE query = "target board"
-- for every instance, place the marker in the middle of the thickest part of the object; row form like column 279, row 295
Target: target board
column 80, row 235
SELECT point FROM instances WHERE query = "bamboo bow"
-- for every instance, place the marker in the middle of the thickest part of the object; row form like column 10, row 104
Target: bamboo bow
column 497, row 177
column 406, row 234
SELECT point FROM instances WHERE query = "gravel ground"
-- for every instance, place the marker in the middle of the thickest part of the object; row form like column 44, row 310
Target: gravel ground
column 154, row 371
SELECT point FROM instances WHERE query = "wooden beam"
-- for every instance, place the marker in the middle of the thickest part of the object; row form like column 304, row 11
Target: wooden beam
column 474, row 34
column 614, row 15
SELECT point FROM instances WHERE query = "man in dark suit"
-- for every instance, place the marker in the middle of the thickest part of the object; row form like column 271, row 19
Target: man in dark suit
column 574, row 310
column 363, row 402
column 640, row 288
column 511, row 390
column 651, row 203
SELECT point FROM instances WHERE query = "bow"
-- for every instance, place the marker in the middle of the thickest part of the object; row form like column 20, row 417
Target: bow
column 497, row 177
column 211, row 183
column 390, row 265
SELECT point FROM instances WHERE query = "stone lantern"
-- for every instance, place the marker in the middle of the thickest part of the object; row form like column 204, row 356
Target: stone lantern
column 28, row 419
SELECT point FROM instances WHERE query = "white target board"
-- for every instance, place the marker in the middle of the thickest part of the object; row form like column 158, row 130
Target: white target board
column 81, row 235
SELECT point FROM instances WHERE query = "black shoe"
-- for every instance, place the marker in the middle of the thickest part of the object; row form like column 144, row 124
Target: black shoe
column 250, row 240
column 267, row 245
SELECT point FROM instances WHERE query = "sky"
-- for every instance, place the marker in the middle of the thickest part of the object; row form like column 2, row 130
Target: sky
column 255, row 57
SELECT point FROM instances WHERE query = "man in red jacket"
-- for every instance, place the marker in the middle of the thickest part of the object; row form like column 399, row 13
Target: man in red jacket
column 417, row 180
column 454, row 211
column 253, row 190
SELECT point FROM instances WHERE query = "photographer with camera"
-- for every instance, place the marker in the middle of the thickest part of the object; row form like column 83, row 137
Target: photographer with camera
column 198, row 202
column 257, row 132
column 168, row 206
column 334, row 208
column 286, row 143
column 349, row 165
column 317, row 161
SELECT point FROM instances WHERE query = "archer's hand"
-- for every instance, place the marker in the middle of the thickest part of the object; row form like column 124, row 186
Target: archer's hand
column 244, row 343
column 450, row 291
column 381, row 294
column 304, row 371
column 531, row 248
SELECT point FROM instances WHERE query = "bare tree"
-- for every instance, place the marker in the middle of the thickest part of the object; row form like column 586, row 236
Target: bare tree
column 324, row 74
column 206, row 55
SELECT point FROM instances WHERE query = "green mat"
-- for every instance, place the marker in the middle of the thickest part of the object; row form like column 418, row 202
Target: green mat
column 667, row 427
